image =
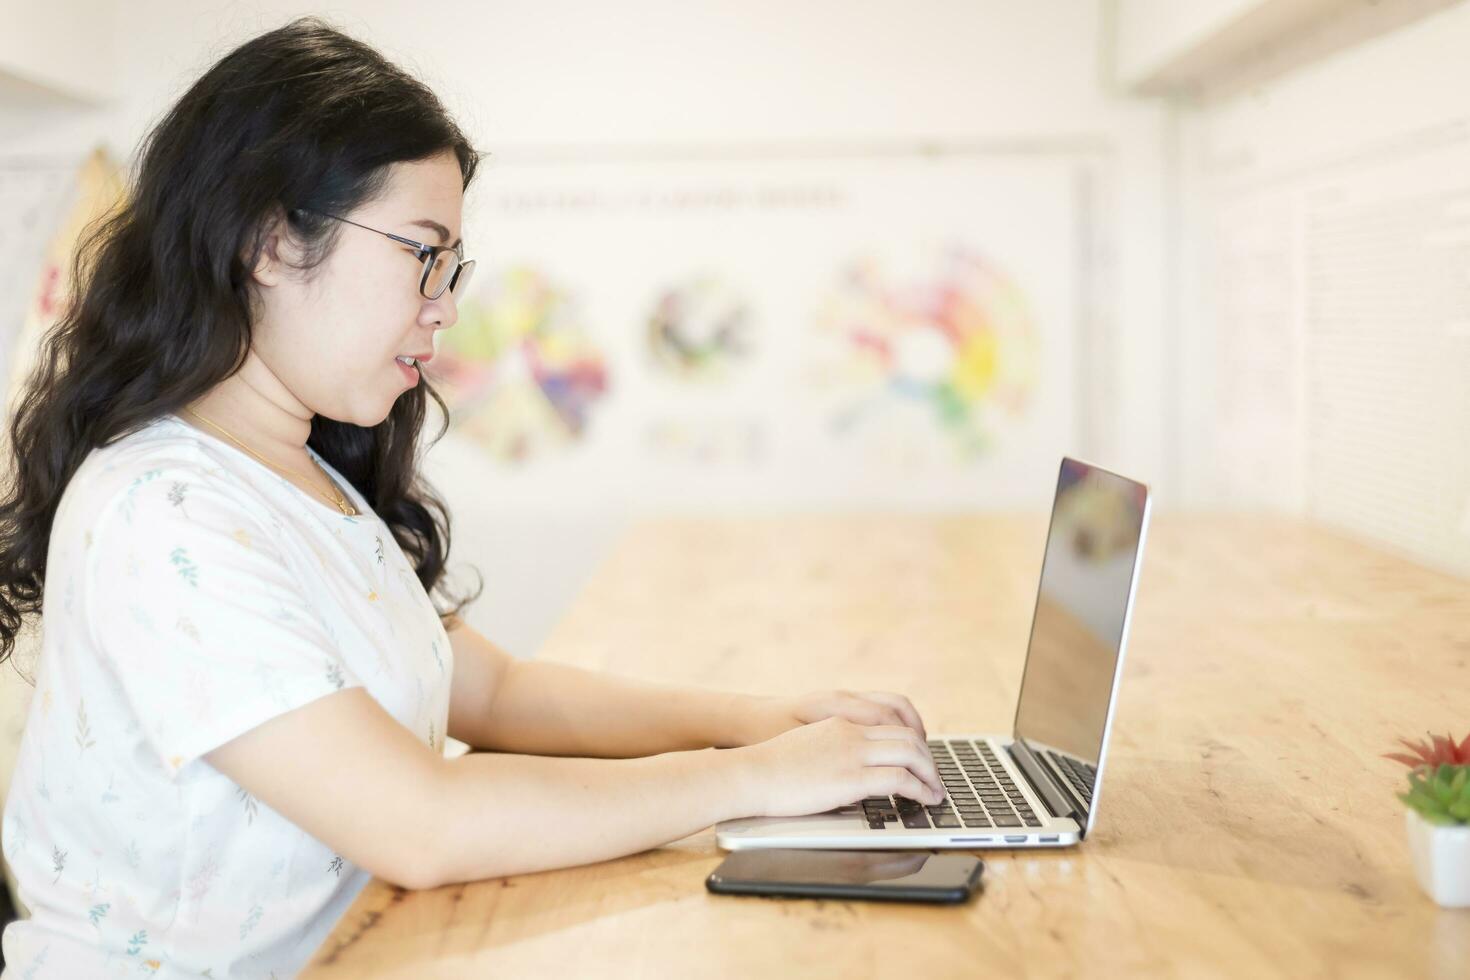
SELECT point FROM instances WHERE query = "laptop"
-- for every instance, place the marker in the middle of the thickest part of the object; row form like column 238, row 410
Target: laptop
column 1038, row 786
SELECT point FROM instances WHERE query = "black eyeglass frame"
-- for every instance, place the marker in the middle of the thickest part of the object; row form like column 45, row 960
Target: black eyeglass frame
column 427, row 253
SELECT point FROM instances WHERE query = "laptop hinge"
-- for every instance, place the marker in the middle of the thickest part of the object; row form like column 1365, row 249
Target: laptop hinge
column 1056, row 798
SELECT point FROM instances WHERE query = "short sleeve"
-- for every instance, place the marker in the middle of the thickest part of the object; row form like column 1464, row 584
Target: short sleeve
column 195, row 611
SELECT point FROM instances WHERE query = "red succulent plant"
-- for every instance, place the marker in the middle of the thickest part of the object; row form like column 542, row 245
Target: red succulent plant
column 1439, row 750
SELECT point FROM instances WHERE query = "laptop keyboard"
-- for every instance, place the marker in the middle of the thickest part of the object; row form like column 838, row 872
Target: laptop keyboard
column 978, row 793
column 1081, row 775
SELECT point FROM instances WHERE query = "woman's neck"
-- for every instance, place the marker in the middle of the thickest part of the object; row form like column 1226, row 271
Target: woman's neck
column 277, row 432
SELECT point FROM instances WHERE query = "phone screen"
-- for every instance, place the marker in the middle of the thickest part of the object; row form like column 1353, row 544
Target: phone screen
column 880, row 874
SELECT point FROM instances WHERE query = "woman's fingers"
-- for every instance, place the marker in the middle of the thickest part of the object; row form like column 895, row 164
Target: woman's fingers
column 901, row 706
column 903, row 732
column 865, row 711
column 883, row 780
column 900, row 746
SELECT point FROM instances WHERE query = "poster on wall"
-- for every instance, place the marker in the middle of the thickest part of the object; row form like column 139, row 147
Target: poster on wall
column 96, row 188
column 33, row 196
column 894, row 329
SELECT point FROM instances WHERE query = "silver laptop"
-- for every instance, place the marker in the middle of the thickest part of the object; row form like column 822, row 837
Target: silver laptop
column 1038, row 786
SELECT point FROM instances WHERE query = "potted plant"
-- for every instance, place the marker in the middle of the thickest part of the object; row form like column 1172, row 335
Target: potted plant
column 1438, row 816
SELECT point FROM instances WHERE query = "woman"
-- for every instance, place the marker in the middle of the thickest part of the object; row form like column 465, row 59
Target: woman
column 244, row 686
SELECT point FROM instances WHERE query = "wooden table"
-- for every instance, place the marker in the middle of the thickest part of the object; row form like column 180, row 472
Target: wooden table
column 1247, row 824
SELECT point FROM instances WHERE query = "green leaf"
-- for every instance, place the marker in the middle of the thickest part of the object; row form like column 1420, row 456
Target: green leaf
column 1441, row 783
column 1423, row 802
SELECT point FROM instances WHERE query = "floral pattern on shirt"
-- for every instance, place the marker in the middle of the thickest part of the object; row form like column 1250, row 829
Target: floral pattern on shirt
column 193, row 594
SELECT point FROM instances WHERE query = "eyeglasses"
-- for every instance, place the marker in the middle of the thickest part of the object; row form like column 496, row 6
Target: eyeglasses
column 444, row 265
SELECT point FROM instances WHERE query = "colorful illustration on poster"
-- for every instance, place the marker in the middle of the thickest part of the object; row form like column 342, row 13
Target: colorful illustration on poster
column 951, row 349
column 520, row 372
column 699, row 329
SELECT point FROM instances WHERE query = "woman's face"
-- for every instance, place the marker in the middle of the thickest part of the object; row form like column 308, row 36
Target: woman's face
column 332, row 342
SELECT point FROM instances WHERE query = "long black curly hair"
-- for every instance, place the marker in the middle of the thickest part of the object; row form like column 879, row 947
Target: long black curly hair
column 301, row 117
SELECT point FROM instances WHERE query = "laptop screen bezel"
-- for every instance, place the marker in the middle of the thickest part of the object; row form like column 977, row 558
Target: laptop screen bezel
column 1102, row 752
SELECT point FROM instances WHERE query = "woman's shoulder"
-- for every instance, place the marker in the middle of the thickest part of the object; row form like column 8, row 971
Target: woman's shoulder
column 164, row 456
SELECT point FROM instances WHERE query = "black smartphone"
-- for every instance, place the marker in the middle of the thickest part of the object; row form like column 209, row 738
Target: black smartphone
column 905, row 876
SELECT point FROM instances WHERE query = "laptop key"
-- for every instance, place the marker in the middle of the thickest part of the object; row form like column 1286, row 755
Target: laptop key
column 1007, row 820
column 915, row 820
column 876, row 825
column 947, row 820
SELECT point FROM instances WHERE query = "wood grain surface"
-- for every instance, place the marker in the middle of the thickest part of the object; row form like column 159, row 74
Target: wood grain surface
column 1247, row 825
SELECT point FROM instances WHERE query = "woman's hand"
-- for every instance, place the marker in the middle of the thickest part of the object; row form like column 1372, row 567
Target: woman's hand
column 833, row 762
column 767, row 717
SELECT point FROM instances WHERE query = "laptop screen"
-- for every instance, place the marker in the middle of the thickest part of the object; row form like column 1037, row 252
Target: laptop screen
column 1086, row 578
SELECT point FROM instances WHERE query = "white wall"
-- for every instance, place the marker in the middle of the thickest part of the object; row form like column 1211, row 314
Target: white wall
column 63, row 45
column 1329, row 230
column 1153, row 35
column 526, row 76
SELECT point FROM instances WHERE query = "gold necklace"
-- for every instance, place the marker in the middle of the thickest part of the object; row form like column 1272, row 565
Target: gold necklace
column 341, row 502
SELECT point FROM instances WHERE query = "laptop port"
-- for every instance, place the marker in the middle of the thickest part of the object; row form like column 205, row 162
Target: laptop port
column 1050, row 840
column 1015, row 838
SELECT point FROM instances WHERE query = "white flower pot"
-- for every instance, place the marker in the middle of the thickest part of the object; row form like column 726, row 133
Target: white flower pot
column 1441, row 859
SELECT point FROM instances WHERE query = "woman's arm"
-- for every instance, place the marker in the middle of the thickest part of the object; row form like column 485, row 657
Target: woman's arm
column 542, row 708
column 345, row 771
column 349, row 774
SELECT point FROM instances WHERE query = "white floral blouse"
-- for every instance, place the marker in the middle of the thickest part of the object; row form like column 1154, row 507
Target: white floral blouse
column 193, row 593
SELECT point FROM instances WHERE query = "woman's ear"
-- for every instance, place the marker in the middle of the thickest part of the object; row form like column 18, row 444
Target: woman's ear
column 277, row 249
